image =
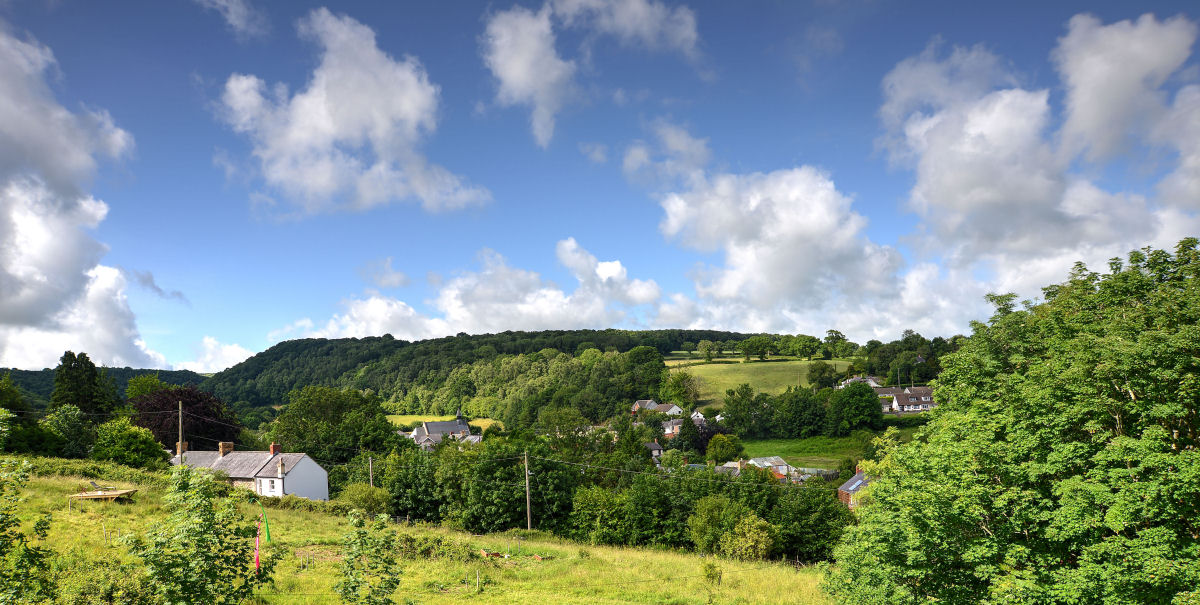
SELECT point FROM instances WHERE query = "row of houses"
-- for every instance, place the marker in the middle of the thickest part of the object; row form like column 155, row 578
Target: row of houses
column 267, row 473
column 894, row 400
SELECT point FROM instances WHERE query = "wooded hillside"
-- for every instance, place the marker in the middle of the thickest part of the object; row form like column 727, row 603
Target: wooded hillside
column 392, row 367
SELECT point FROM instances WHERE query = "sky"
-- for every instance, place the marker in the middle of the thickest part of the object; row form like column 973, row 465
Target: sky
column 185, row 183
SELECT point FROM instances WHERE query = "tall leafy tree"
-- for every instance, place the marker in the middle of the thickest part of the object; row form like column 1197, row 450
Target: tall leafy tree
column 1062, row 465
column 78, row 382
column 852, row 408
column 206, row 419
column 332, row 425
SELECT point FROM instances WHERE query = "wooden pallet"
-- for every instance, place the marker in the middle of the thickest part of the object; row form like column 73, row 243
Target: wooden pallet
column 104, row 494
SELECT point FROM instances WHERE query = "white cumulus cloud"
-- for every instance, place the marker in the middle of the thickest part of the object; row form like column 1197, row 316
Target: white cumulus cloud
column 54, row 293
column 518, row 48
column 240, row 15
column 214, row 357
column 350, row 138
column 498, row 297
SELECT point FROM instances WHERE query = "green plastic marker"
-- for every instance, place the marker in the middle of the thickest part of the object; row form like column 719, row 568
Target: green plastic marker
column 266, row 526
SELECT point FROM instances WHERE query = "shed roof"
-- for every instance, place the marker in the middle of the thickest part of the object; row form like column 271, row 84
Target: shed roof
column 855, row 483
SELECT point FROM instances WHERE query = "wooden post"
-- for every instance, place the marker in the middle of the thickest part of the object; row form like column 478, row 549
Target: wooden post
column 528, row 505
column 371, row 466
column 180, row 442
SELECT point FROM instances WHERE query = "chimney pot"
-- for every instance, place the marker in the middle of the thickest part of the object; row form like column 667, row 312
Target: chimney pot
column 224, row 447
column 275, row 449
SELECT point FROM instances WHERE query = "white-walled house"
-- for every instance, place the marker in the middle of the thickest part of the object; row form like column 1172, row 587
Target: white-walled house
column 270, row 473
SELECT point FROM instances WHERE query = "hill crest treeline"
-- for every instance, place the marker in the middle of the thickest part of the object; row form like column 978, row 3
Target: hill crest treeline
column 392, row 367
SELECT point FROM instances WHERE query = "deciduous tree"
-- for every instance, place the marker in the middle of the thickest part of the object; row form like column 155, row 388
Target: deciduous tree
column 1062, row 464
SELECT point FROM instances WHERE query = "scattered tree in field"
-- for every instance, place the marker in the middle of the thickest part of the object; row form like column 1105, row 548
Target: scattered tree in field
column 78, row 382
column 760, row 346
column 206, row 418
column 715, row 516
column 203, row 551
column 25, row 574
column 121, row 442
column 682, row 388
column 1062, row 463
column 688, row 347
column 723, row 448
column 822, row 375
column 74, row 430
column 752, row 539
column 370, row 569
column 707, row 348
column 747, row 414
column 852, row 408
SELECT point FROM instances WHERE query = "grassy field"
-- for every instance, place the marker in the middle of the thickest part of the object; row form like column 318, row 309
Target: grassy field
column 772, row 376
column 408, row 419
column 814, row 452
column 567, row 573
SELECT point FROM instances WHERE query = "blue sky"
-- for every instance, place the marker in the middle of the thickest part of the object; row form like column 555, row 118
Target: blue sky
column 184, row 183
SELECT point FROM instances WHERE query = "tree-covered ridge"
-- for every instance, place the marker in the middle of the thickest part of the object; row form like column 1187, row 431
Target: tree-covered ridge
column 513, row 388
column 1062, row 463
column 37, row 385
column 392, row 367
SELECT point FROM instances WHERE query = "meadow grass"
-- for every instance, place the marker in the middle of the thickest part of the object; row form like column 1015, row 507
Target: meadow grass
column 815, row 452
column 568, row 572
column 773, row 376
column 409, row 419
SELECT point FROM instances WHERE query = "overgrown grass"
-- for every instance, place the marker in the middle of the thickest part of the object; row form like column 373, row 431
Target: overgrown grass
column 772, row 376
column 410, row 419
column 817, row 452
column 567, row 572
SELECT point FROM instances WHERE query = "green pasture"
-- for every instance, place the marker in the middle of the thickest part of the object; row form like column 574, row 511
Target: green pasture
column 86, row 537
column 816, row 452
column 410, row 419
column 771, row 376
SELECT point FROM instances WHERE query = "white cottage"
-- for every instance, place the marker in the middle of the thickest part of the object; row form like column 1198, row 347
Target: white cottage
column 270, row 473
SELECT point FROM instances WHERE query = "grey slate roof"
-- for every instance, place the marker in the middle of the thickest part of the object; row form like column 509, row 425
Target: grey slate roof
column 271, row 468
column 855, row 483
column 242, row 465
column 441, row 427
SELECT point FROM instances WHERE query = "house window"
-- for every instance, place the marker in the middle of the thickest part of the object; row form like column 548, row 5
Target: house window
column 272, row 485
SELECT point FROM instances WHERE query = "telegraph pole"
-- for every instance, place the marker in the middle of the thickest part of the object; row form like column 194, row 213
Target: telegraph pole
column 180, row 444
column 528, row 506
column 371, row 465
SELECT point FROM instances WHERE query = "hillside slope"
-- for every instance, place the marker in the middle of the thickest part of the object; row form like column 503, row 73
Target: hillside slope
column 37, row 385
column 567, row 573
column 390, row 367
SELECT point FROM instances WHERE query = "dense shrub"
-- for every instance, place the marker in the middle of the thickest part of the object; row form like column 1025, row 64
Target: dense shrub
column 752, row 539
column 89, row 469
column 121, row 442
column 372, row 501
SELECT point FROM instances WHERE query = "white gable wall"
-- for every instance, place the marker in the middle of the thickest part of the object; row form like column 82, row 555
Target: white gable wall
column 307, row 479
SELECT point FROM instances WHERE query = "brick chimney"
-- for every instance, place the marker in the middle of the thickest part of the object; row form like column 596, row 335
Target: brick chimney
column 180, row 448
column 275, row 449
column 224, row 447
